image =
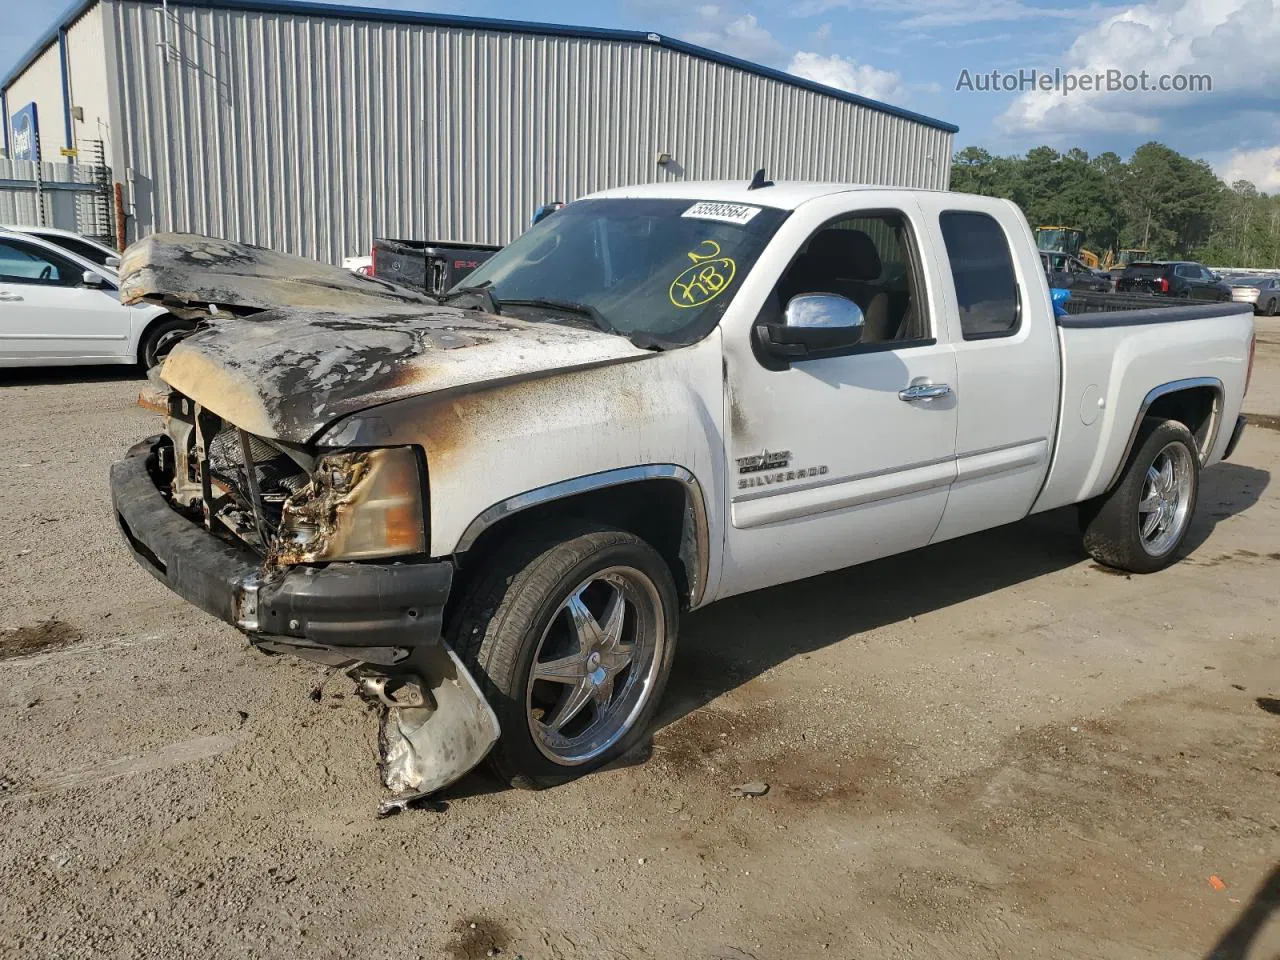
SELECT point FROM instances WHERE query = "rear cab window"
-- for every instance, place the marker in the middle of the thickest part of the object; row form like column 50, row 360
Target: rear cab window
column 982, row 271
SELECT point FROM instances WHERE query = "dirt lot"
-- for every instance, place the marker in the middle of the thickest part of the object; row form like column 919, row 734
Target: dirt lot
column 990, row 748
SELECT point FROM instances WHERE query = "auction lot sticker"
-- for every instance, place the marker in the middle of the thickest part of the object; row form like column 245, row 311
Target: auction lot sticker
column 709, row 276
column 725, row 212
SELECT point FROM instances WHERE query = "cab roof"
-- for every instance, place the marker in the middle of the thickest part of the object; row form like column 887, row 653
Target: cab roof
column 785, row 195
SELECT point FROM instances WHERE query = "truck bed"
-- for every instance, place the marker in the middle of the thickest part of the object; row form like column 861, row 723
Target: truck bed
column 1088, row 302
column 1111, row 358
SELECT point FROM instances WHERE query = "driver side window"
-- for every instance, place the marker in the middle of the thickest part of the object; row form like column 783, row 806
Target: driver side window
column 869, row 259
column 20, row 263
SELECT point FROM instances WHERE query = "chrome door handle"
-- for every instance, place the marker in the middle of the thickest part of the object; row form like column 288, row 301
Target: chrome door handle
column 924, row 391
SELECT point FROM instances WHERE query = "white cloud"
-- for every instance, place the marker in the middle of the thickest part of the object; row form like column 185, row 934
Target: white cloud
column 846, row 74
column 1260, row 167
column 738, row 36
column 925, row 14
column 1233, row 41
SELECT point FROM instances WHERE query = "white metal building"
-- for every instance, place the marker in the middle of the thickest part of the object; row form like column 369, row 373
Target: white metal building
column 312, row 128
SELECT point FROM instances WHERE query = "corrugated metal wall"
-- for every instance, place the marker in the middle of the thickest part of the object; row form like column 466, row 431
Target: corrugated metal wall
column 87, row 66
column 41, row 84
column 20, row 205
column 313, row 135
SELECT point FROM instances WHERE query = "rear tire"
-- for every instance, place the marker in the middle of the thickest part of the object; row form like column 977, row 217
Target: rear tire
column 1140, row 524
column 160, row 338
column 571, row 634
column 1271, row 307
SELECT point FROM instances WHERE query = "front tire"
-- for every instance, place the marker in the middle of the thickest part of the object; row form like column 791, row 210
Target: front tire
column 160, row 338
column 571, row 635
column 1142, row 522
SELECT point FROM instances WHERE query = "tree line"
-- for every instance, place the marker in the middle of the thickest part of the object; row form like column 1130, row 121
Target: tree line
column 1159, row 200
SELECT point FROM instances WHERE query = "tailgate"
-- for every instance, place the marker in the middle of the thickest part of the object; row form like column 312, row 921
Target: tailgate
column 1143, row 277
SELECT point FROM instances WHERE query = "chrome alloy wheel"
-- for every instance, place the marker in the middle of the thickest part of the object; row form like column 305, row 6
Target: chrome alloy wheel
column 595, row 666
column 1164, row 509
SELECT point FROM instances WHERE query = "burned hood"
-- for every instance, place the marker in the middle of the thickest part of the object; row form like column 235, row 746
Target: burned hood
column 287, row 373
column 193, row 276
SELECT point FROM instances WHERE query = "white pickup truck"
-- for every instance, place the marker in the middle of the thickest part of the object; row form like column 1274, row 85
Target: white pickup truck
column 493, row 507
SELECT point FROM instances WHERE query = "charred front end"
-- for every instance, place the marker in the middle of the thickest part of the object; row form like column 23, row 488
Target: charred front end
column 320, row 554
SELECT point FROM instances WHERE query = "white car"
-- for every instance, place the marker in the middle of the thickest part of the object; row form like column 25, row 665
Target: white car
column 84, row 247
column 58, row 308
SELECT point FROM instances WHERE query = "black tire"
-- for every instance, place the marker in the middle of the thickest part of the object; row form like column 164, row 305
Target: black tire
column 518, row 601
column 1271, row 307
column 159, row 338
column 1111, row 523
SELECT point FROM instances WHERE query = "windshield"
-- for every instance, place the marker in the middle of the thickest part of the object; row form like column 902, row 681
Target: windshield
column 660, row 271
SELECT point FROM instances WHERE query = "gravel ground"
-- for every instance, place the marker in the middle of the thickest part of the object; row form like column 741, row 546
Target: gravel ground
column 989, row 748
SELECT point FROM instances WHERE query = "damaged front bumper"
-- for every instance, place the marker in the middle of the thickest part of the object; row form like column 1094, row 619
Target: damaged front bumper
column 383, row 619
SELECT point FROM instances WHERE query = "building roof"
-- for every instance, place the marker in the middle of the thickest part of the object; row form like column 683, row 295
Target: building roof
column 300, row 8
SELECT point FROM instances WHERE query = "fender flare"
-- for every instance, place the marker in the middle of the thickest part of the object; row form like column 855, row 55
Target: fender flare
column 695, row 548
column 1176, row 386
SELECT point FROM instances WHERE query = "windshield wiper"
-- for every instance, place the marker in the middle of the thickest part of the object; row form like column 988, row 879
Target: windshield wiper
column 479, row 288
column 581, row 309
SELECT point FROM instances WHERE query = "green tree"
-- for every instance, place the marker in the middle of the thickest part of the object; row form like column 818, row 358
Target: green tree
column 1159, row 200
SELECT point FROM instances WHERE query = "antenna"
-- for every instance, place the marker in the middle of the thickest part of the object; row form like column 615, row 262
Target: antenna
column 759, row 181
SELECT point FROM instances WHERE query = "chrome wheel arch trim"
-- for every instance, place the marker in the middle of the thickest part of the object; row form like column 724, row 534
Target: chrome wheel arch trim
column 695, row 545
column 1175, row 386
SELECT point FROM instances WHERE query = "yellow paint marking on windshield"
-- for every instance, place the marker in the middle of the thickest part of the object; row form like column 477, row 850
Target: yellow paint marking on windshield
column 709, row 276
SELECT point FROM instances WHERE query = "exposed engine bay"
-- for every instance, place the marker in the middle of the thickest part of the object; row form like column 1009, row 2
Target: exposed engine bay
column 301, row 513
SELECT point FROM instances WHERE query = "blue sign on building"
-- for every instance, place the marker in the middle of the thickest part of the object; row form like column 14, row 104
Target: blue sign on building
column 26, row 134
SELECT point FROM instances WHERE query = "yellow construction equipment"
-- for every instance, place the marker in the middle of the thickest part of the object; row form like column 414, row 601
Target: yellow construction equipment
column 1068, row 240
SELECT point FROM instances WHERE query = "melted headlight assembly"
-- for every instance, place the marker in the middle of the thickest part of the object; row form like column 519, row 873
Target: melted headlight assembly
column 359, row 505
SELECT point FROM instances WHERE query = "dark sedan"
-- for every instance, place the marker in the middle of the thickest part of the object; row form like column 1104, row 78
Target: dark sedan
column 1175, row 278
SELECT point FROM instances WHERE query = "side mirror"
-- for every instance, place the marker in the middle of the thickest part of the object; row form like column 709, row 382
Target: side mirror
column 814, row 325
column 113, row 263
column 92, row 280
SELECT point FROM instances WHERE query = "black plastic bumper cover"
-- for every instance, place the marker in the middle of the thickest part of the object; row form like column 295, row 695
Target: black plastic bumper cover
column 1235, row 437
column 339, row 605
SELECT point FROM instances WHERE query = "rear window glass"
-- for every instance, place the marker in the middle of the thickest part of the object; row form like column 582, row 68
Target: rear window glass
column 80, row 248
column 1144, row 270
column 982, row 269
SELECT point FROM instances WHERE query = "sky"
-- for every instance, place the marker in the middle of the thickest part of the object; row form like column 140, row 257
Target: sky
column 931, row 56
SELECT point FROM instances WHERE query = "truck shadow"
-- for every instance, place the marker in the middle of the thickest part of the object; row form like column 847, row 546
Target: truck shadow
column 734, row 641
column 1226, row 489
column 1234, row 944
